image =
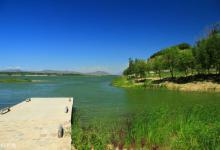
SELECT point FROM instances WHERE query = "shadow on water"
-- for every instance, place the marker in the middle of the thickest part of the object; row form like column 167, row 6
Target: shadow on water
column 72, row 115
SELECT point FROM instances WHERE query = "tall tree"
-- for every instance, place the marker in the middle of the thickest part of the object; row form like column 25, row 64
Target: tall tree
column 201, row 56
column 170, row 58
column 131, row 68
column 140, row 67
column 207, row 50
column 185, row 61
column 137, row 67
column 158, row 64
column 213, row 45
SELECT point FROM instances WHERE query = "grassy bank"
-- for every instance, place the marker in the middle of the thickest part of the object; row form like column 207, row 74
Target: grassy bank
column 199, row 83
column 14, row 80
column 122, row 81
column 196, row 127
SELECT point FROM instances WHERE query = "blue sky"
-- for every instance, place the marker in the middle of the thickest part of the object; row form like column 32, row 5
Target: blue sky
column 96, row 35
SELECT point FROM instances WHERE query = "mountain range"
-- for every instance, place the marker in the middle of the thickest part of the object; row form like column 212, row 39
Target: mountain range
column 56, row 71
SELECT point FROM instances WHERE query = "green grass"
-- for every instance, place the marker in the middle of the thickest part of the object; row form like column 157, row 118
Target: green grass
column 197, row 127
column 122, row 81
column 86, row 137
column 153, row 82
column 14, row 80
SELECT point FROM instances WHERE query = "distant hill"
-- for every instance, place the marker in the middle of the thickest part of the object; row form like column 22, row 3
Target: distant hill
column 11, row 70
column 18, row 71
column 60, row 71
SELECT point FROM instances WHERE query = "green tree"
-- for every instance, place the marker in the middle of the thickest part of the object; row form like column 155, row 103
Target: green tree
column 157, row 65
column 218, row 53
column 131, row 68
column 185, row 61
column 140, row 67
column 148, row 66
column 171, row 58
column 183, row 46
column 207, row 51
column 213, row 46
column 200, row 55
column 137, row 67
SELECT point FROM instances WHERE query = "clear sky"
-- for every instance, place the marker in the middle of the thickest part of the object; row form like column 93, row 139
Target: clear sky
column 96, row 35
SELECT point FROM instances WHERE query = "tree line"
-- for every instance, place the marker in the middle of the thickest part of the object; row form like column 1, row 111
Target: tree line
column 203, row 57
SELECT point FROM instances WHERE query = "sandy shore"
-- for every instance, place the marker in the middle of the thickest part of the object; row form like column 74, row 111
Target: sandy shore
column 195, row 86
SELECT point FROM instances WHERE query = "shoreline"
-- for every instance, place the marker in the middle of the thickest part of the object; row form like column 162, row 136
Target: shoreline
column 195, row 86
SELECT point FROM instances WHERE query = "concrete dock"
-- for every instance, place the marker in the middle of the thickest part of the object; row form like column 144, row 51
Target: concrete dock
column 34, row 125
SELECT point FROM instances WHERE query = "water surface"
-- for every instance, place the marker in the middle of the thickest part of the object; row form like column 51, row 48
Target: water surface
column 97, row 99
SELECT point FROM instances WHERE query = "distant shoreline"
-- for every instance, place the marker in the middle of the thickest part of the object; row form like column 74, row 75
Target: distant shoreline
column 51, row 73
column 27, row 78
column 15, row 80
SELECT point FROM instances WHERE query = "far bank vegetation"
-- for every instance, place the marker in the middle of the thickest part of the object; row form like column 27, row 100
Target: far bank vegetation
column 179, row 64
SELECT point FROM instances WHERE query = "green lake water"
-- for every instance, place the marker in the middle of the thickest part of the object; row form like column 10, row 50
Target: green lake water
column 96, row 99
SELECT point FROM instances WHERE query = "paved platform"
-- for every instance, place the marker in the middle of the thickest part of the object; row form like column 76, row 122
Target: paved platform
column 34, row 125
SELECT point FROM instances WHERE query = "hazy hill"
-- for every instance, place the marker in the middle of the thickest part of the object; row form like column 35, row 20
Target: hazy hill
column 11, row 70
column 18, row 71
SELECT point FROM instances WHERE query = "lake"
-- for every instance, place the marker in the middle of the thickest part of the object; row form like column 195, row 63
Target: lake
column 95, row 98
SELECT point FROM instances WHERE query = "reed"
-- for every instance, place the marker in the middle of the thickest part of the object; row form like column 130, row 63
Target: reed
column 196, row 127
